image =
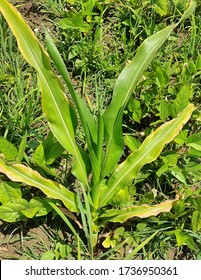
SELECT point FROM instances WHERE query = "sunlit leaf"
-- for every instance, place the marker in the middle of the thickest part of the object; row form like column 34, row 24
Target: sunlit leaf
column 21, row 149
column 196, row 220
column 142, row 211
column 123, row 89
column 58, row 110
column 162, row 77
column 164, row 109
column 132, row 142
column 194, row 141
column 9, row 191
column 12, row 211
column 135, row 108
column 183, row 238
column 182, row 99
column 179, row 173
column 161, row 7
column 170, row 158
column 26, row 175
column 8, row 149
column 181, row 137
column 148, row 152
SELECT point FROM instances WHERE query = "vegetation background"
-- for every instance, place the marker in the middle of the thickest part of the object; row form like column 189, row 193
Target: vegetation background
column 97, row 39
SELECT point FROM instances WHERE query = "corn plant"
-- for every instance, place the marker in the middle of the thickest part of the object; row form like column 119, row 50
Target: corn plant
column 100, row 173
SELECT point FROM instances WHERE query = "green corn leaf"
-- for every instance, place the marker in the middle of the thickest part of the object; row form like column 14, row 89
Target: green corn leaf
column 148, row 152
column 142, row 211
column 97, row 174
column 20, row 173
column 124, row 87
column 58, row 110
column 87, row 120
column 85, row 115
column 189, row 10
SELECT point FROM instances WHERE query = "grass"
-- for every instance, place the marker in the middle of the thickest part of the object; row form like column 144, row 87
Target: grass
column 94, row 58
column 20, row 98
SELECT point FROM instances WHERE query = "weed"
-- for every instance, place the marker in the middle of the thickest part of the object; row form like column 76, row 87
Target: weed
column 103, row 191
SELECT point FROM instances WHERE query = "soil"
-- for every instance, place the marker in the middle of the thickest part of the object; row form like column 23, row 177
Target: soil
column 18, row 241
column 31, row 12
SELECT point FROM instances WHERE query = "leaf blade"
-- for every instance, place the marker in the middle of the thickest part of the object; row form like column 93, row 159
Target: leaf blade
column 9, row 191
column 8, row 149
column 123, row 89
column 21, row 173
column 55, row 105
column 148, row 151
column 141, row 211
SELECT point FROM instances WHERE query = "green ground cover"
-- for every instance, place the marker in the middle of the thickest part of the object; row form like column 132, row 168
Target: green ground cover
column 97, row 40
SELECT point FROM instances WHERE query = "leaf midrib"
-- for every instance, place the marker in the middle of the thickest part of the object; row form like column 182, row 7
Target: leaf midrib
column 105, row 198
column 40, row 73
column 35, row 183
column 130, row 89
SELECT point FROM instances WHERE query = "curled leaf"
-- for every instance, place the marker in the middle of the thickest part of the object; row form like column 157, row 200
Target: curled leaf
column 141, row 211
